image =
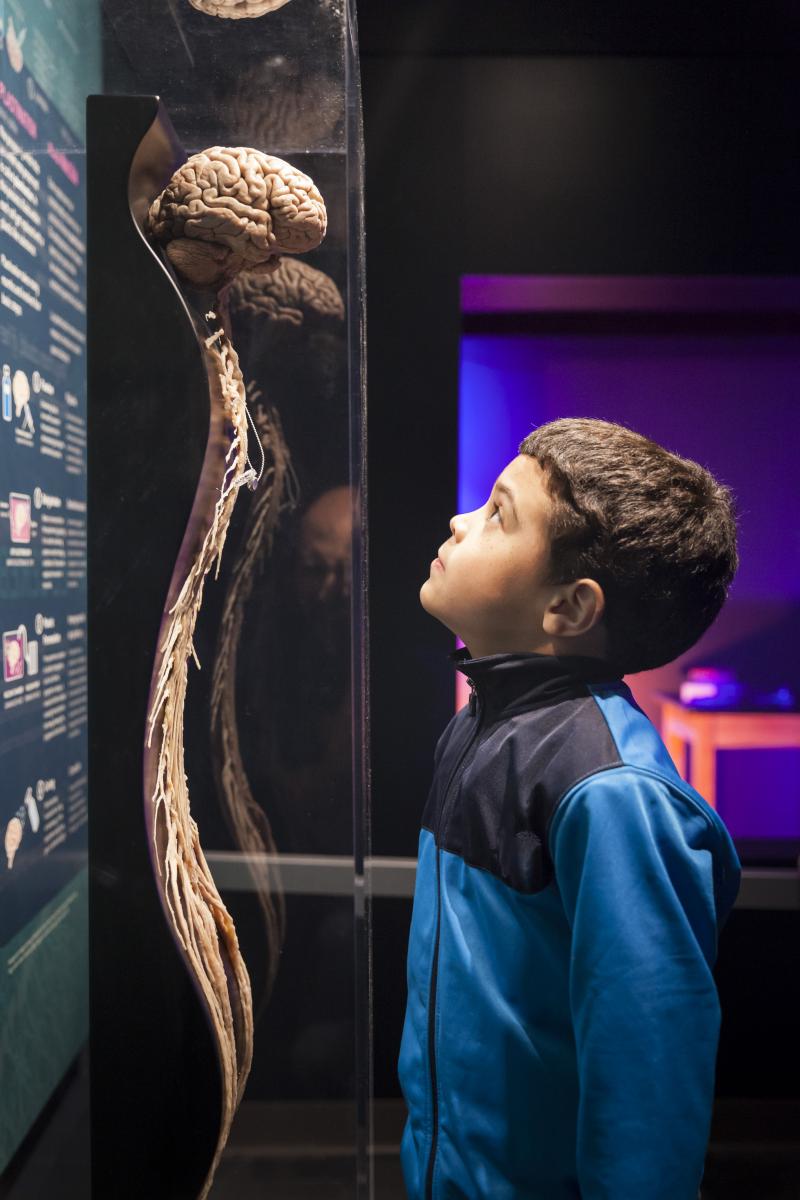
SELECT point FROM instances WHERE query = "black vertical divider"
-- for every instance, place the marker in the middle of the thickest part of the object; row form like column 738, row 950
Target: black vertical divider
column 156, row 1091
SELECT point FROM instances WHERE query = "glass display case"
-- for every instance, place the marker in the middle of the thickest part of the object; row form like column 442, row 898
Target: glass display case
column 199, row 339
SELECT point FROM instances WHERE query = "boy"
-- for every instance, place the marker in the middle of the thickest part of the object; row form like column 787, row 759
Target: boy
column 562, row 1019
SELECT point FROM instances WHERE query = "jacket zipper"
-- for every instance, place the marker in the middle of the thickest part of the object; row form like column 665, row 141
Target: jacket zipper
column 435, row 965
column 432, row 1041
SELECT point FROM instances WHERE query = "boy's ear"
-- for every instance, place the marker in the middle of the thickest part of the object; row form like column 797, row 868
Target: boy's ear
column 575, row 609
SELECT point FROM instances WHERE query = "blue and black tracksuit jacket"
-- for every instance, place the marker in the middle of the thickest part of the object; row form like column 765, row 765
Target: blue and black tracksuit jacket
column 562, row 1021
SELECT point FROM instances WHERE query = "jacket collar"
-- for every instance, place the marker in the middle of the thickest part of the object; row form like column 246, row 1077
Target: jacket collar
column 530, row 680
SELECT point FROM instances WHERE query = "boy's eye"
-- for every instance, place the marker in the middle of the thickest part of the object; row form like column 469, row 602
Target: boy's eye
column 496, row 508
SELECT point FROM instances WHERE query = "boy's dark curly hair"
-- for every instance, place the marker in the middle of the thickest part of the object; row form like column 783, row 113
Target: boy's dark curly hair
column 656, row 531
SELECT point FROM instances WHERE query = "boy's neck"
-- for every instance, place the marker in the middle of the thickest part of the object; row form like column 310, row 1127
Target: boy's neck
column 592, row 646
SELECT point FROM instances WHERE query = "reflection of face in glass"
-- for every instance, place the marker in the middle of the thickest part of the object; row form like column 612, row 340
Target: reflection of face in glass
column 324, row 555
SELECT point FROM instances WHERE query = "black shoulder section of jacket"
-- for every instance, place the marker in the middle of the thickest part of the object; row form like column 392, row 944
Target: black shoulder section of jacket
column 503, row 764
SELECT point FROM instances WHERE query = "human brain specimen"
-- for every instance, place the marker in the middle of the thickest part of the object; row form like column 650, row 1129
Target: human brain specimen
column 229, row 209
column 223, row 211
column 292, row 293
column 237, row 8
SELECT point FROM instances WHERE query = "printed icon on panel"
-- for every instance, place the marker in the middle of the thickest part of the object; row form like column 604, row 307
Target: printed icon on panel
column 33, row 811
column 14, row 654
column 12, row 839
column 6, row 386
column 19, row 516
column 21, row 390
column 14, row 43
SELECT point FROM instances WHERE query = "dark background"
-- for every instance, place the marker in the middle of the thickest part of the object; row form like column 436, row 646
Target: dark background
column 555, row 136
column 548, row 138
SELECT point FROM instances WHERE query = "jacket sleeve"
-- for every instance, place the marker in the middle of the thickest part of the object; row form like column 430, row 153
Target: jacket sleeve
column 633, row 864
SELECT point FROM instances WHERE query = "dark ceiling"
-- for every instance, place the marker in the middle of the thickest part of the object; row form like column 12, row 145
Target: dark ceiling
column 682, row 27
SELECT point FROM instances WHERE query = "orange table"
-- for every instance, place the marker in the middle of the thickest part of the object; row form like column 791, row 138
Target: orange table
column 706, row 732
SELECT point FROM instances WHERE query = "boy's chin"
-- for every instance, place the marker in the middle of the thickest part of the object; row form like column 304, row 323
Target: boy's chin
column 424, row 598
column 428, row 602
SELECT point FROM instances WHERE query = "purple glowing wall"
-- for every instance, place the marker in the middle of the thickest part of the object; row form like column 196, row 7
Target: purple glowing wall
column 729, row 402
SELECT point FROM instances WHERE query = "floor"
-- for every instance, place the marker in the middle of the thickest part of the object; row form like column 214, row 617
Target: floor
column 747, row 1174
column 304, row 1151
column 738, row 1166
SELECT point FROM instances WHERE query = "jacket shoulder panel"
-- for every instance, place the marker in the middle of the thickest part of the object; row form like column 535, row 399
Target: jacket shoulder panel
column 638, row 742
column 497, row 817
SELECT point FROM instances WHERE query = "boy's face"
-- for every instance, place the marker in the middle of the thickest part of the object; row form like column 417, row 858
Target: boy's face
column 488, row 584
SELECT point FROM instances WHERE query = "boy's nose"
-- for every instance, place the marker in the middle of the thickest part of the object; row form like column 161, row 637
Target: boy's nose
column 458, row 525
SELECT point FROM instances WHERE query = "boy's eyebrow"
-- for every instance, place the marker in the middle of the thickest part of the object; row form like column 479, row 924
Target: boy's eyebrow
column 506, row 490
